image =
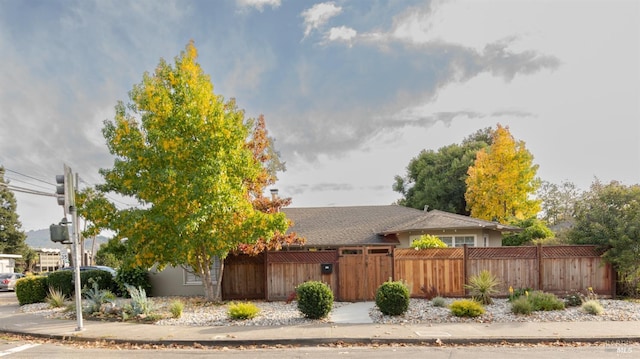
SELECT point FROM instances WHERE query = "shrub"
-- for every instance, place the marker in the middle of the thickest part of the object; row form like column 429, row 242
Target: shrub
column 428, row 241
column 62, row 281
column 592, row 307
column 545, row 301
column 96, row 297
column 466, row 308
column 176, row 308
column 137, row 277
column 242, row 310
column 521, row 305
column 438, row 302
column 139, row 305
column 573, row 300
column 392, row 298
column 517, row 293
column 315, row 299
column 31, row 289
column 55, row 298
column 103, row 279
column 483, row 286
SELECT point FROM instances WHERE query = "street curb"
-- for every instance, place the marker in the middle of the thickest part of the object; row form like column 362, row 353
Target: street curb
column 310, row 342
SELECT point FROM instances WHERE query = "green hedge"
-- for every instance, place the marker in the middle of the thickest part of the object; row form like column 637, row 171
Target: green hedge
column 62, row 280
column 31, row 289
column 137, row 277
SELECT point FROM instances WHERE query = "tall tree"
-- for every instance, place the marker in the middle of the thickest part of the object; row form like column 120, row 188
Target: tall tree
column 437, row 179
column 558, row 202
column 182, row 152
column 502, row 181
column 261, row 145
column 609, row 216
column 12, row 237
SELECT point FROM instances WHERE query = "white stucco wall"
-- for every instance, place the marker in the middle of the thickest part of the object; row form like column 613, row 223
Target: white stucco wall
column 493, row 238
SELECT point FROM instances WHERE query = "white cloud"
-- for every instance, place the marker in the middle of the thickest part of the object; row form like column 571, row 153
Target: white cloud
column 341, row 33
column 318, row 15
column 259, row 4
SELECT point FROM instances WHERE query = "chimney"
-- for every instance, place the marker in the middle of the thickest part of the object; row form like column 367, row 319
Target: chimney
column 274, row 194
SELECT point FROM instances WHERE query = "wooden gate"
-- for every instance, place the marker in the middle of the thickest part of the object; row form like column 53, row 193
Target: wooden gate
column 362, row 270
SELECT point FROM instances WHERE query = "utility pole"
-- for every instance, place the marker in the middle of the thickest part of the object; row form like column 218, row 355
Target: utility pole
column 67, row 199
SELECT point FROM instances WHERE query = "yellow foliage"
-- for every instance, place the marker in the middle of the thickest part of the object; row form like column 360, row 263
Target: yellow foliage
column 502, row 180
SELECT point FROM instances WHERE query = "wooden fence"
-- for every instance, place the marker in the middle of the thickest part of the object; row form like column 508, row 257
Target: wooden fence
column 285, row 270
column 556, row 269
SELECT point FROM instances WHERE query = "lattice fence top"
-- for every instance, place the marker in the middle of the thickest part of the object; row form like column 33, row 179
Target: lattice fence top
column 571, row 251
column 432, row 253
column 501, row 252
column 524, row 252
column 302, row 257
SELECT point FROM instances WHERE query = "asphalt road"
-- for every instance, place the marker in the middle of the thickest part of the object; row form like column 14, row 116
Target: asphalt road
column 18, row 348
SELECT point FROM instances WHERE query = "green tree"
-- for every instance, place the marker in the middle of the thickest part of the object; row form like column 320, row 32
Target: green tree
column 182, row 152
column 558, row 202
column 113, row 254
column 12, row 237
column 437, row 179
column 502, row 181
column 533, row 231
column 609, row 216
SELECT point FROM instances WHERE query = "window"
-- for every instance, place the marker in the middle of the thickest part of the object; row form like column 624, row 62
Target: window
column 191, row 278
column 458, row 241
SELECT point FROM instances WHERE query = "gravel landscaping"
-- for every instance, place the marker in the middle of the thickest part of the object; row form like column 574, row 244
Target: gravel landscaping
column 198, row 313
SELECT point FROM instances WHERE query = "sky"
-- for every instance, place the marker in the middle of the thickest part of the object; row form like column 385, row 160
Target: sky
column 350, row 90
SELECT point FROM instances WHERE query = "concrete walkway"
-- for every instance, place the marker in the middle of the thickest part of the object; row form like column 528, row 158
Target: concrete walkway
column 353, row 313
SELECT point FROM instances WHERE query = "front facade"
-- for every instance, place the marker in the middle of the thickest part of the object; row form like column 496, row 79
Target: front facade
column 373, row 231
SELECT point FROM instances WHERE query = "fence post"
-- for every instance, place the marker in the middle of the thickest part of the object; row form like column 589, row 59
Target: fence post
column 465, row 275
column 540, row 267
column 267, row 275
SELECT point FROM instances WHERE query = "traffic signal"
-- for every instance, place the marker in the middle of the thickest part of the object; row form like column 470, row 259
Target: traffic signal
column 60, row 232
column 60, row 190
column 65, row 191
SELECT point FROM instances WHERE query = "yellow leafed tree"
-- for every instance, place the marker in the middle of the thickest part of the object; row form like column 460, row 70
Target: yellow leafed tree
column 182, row 152
column 502, row 181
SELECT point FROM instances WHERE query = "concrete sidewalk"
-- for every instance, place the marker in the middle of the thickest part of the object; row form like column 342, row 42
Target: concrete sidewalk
column 12, row 321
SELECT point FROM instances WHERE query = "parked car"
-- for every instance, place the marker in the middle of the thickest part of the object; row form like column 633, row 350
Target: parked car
column 8, row 280
column 87, row 268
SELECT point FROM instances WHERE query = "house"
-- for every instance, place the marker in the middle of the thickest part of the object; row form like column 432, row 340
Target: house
column 333, row 227
column 8, row 262
column 336, row 237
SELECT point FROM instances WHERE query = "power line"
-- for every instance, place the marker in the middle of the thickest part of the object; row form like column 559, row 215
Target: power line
column 13, row 179
column 34, row 178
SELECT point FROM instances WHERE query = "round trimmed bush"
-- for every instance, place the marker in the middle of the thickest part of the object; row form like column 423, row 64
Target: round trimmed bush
column 31, row 289
column 315, row 299
column 392, row 298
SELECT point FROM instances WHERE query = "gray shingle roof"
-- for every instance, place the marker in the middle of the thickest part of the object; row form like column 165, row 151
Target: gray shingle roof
column 359, row 225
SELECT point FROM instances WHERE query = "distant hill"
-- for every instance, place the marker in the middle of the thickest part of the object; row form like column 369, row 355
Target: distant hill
column 40, row 239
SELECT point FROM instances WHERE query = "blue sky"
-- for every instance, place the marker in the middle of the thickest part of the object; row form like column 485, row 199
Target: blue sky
column 351, row 90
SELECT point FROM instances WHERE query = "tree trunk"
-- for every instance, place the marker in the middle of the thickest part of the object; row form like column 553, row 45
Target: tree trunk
column 218, row 289
column 212, row 292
